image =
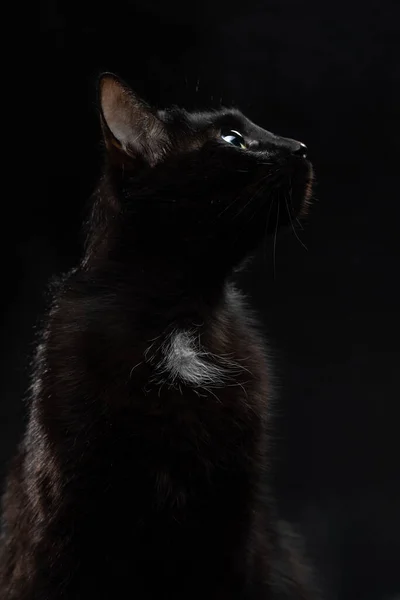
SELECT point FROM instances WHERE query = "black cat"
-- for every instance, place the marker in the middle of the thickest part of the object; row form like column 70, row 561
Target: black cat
column 142, row 472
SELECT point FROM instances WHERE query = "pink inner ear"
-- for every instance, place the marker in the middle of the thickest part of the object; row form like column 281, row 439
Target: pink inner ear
column 119, row 110
column 130, row 124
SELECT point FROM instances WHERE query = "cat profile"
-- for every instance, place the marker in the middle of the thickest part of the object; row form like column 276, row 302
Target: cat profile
column 143, row 469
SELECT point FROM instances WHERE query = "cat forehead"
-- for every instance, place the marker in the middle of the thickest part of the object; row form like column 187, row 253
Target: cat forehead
column 229, row 118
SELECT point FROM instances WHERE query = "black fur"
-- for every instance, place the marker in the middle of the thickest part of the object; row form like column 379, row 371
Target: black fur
column 132, row 481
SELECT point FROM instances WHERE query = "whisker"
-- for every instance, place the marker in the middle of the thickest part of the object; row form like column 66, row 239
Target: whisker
column 257, row 212
column 229, row 206
column 291, row 223
column 257, row 191
column 258, row 186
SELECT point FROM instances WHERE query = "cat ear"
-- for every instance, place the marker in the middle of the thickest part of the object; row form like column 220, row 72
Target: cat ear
column 129, row 124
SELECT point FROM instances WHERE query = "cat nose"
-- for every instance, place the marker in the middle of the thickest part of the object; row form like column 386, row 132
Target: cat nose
column 300, row 149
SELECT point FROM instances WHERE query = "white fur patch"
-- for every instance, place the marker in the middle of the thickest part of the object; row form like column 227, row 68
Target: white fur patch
column 181, row 358
column 185, row 359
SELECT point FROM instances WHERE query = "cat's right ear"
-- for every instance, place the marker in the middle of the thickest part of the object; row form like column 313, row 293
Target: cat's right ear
column 131, row 128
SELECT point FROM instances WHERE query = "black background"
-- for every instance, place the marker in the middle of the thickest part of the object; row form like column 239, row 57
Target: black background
column 326, row 74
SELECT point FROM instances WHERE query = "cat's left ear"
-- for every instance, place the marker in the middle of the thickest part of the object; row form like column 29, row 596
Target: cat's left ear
column 129, row 125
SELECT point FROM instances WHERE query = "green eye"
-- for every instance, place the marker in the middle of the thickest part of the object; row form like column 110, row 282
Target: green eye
column 235, row 138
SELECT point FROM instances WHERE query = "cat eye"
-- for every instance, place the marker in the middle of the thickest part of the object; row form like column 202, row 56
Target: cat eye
column 235, row 138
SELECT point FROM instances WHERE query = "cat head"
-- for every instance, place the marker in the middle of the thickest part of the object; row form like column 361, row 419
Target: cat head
column 196, row 191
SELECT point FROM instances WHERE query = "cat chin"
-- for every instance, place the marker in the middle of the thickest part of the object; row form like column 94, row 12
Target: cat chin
column 301, row 187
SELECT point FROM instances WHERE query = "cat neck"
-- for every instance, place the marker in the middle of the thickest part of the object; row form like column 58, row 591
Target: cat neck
column 155, row 292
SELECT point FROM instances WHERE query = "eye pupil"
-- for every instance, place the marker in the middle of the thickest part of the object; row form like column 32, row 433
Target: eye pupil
column 234, row 138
